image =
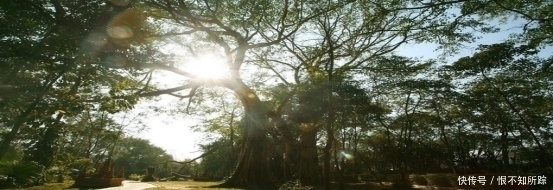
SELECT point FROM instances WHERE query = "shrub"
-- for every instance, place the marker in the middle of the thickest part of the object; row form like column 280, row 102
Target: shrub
column 441, row 180
column 393, row 177
column 21, row 174
column 399, row 183
column 135, row 177
column 402, row 185
column 52, row 176
column 382, row 177
column 418, row 179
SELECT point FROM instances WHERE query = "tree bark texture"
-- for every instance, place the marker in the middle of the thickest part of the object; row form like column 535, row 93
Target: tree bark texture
column 252, row 171
column 308, row 162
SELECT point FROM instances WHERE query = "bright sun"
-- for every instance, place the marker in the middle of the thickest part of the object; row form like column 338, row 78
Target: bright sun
column 207, row 66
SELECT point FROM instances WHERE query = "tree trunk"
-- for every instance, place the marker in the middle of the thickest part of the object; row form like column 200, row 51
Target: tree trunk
column 308, row 162
column 22, row 118
column 46, row 147
column 232, row 149
column 450, row 161
column 44, row 150
column 19, row 121
column 290, row 144
column 290, row 160
column 505, row 149
column 543, row 157
column 252, row 170
column 301, row 160
column 329, row 67
column 339, row 167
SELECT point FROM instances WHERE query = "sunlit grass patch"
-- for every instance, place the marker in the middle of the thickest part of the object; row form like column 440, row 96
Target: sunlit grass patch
column 184, row 185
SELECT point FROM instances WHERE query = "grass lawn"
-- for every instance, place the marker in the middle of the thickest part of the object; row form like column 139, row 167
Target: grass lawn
column 184, row 185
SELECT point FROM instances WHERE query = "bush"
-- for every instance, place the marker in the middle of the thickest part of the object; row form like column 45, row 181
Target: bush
column 418, row 179
column 441, row 180
column 54, row 176
column 393, row 178
column 135, row 177
column 399, row 183
column 382, row 177
column 21, row 175
column 402, row 185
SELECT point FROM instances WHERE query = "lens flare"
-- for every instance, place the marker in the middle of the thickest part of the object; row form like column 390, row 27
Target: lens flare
column 120, row 32
column 307, row 126
column 97, row 40
column 347, row 156
column 115, row 61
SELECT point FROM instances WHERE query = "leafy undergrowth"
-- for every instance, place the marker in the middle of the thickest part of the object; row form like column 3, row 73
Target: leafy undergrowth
column 184, row 185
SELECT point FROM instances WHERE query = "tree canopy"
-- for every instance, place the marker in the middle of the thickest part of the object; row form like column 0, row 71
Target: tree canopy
column 288, row 90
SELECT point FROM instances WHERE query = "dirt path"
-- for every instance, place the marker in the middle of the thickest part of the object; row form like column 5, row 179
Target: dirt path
column 131, row 185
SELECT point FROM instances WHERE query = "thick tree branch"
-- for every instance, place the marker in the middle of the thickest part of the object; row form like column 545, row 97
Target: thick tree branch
column 516, row 11
column 170, row 69
column 173, row 34
column 170, row 90
column 190, row 161
column 425, row 5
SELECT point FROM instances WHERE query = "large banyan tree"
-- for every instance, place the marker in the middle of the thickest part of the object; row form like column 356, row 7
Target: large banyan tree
column 348, row 35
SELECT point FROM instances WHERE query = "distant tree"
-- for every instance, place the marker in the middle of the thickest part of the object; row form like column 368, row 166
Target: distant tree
column 507, row 98
column 136, row 155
